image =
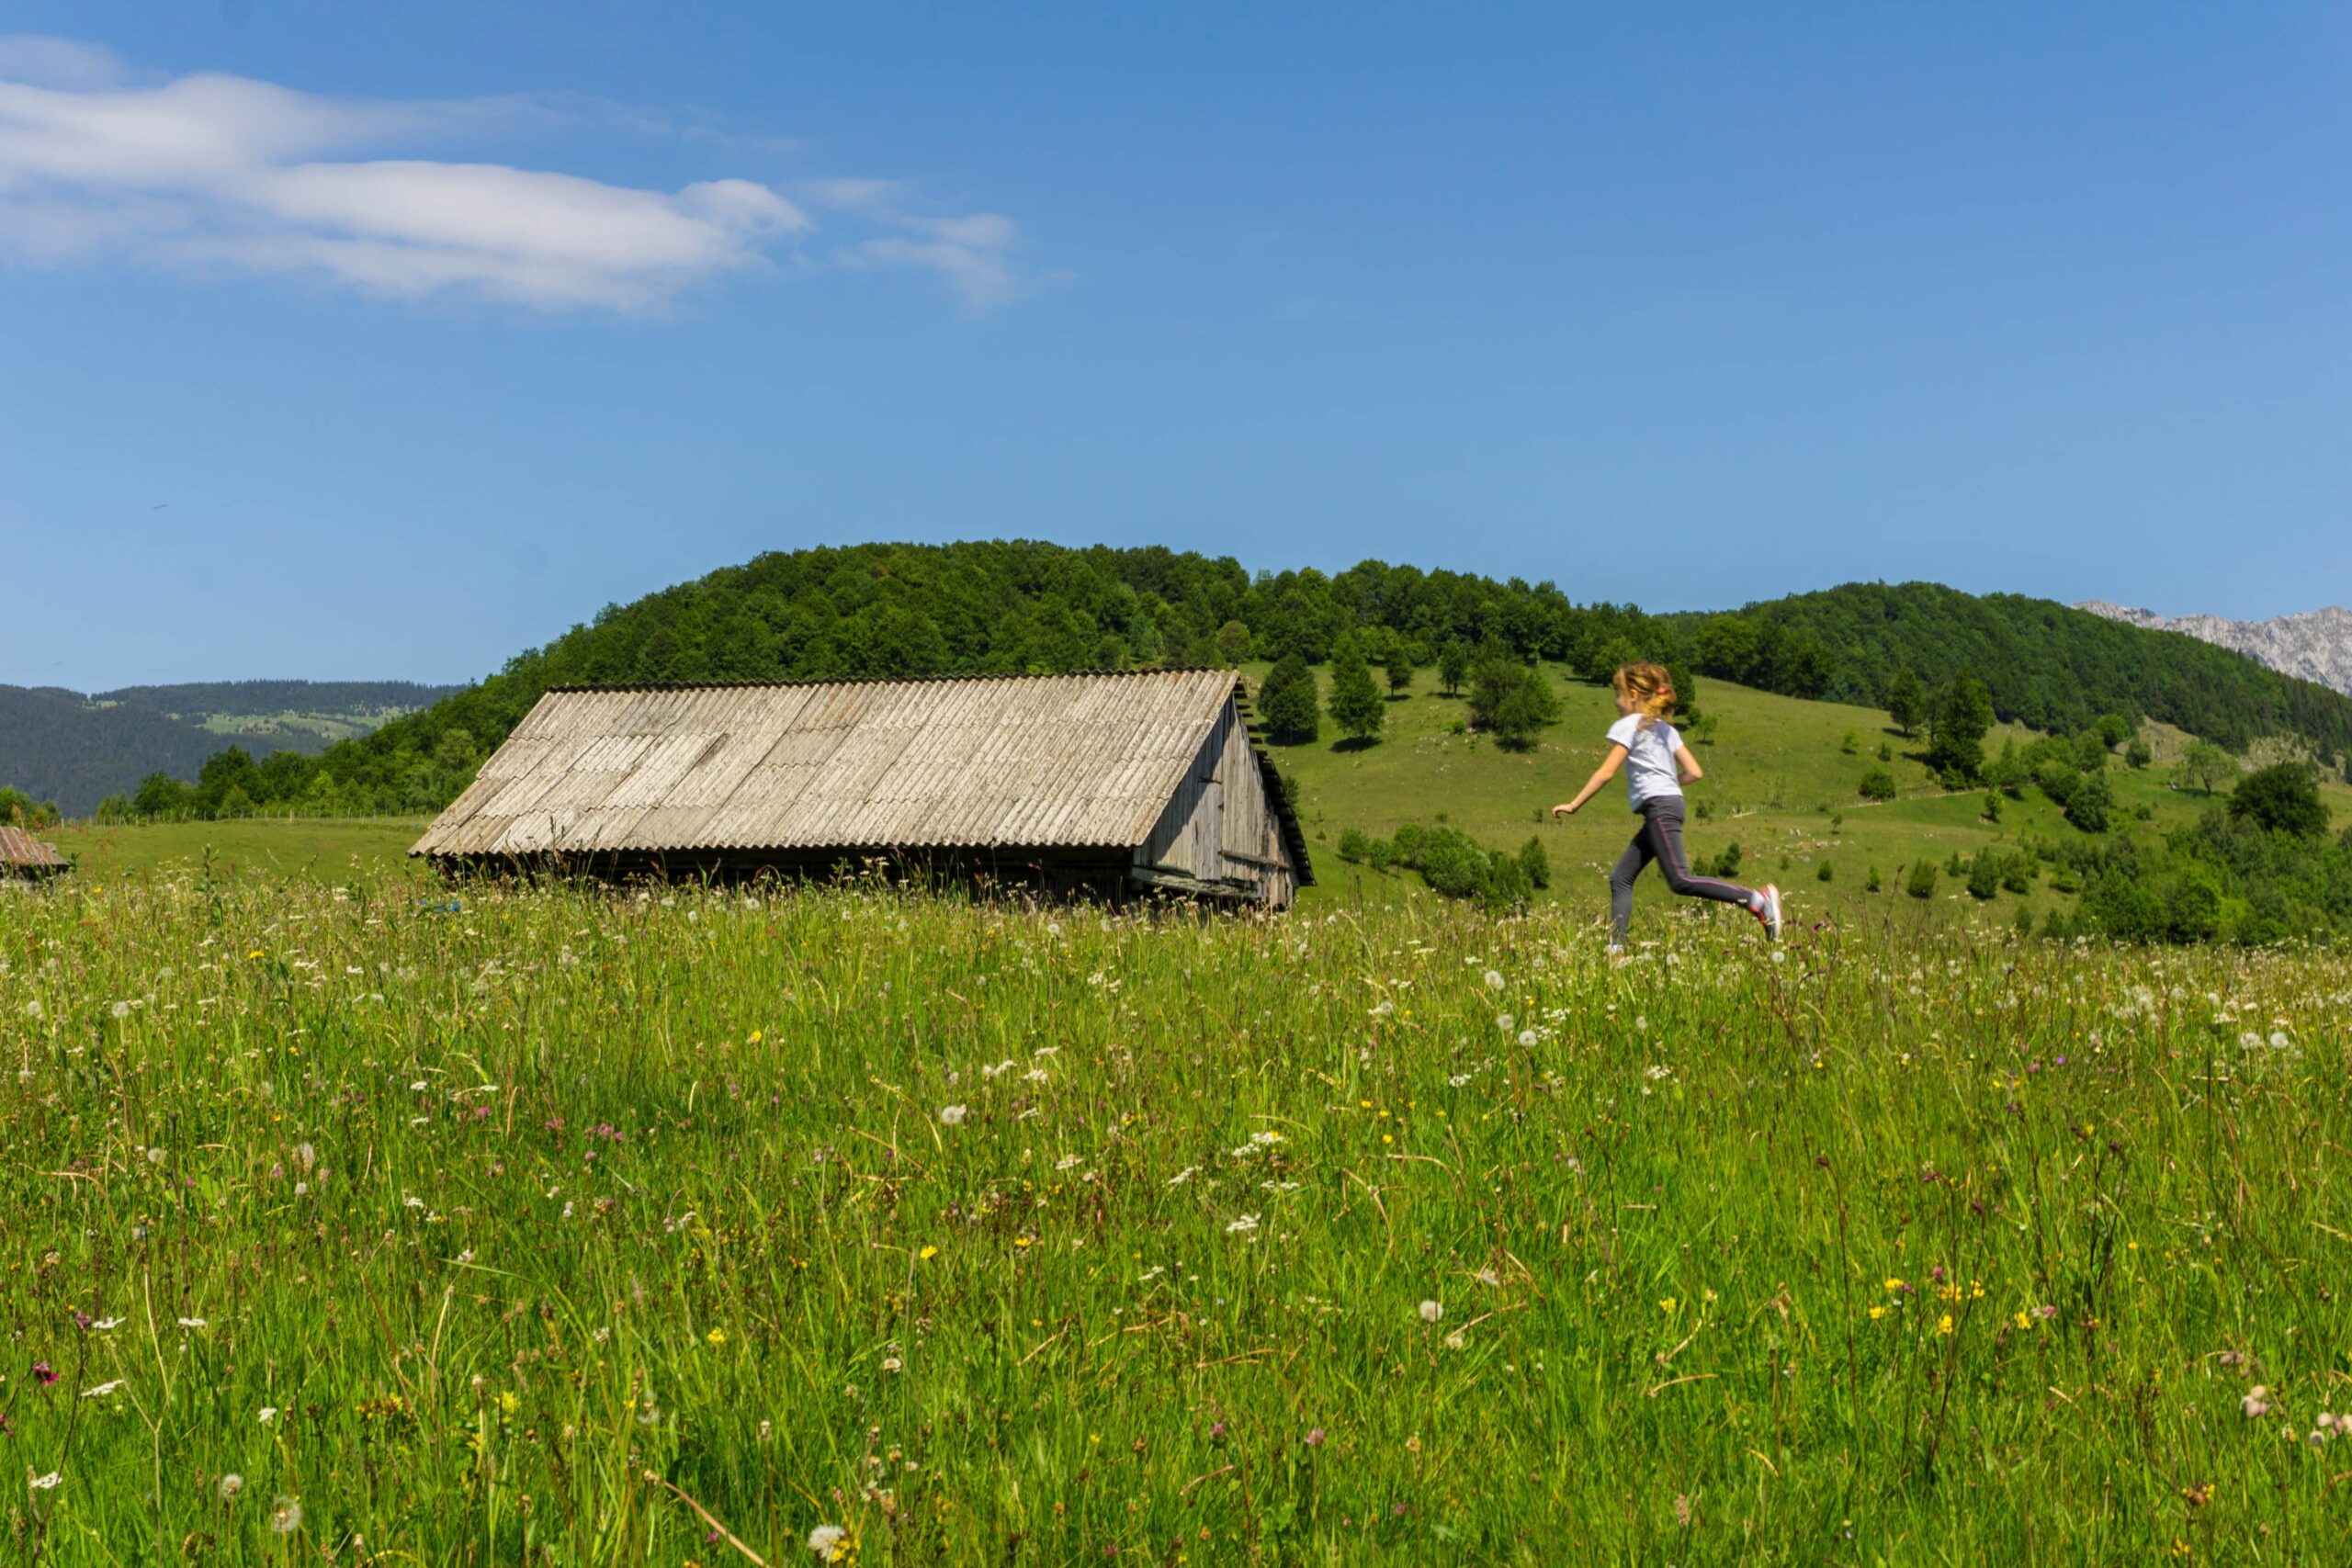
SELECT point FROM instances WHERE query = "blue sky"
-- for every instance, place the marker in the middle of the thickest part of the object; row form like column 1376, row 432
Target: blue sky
column 360, row 341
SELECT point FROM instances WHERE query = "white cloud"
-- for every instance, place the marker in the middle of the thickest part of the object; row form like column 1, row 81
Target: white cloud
column 227, row 173
column 971, row 255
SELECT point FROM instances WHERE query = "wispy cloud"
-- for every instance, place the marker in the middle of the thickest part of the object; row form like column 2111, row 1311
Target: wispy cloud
column 223, row 172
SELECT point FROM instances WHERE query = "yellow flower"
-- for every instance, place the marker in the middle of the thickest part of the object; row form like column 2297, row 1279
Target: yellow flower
column 2023, row 1321
column 254, row 953
column 1893, row 1284
column 714, row 1338
column 1386, row 1139
column 1668, row 1305
column 1878, row 1311
column 1943, row 1323
column 509, row 1402
column 928, row 1253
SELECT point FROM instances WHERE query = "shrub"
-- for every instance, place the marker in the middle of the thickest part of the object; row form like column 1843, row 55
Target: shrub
column 2138, row 754
column 1407, row 842
column 1380, row 855
column 1992, row 812
column 2087, row 808
column 1727, row 864
column 1984, row 874
column 2281, row 799
column 2016, row 873
column 1850, row 743
column 1877, row 785
column 1885, row 752
column 1354, row 845
column 1871, row 883
column 1535, row 863
column 1922, row 883
column 1453, row 863
column 1829, row 872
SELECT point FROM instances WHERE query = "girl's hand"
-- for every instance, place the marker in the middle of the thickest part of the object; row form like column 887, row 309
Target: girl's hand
column 1566, row 809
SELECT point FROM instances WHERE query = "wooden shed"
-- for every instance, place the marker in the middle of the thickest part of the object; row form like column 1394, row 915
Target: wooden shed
column 1115, row 782
column 21, row 854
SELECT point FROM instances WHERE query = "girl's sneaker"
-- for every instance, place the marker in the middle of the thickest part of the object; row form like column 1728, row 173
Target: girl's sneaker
column 1770, row 913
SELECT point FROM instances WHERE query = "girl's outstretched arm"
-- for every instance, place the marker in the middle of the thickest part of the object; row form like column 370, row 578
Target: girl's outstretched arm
column 1601, row 775
column 1692, row 771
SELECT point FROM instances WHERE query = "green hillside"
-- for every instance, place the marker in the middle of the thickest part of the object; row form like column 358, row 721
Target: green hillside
column 1008, row 606
column 1779, row 782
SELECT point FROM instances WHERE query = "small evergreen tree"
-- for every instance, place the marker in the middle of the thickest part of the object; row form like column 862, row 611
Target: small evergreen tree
column 1922, row 883
column 1535, row 863
column 1872, row 883
column 2086, row 807
column 1906, row 705
column 1956, row 744
column 1984, row 874
column 1355, row 702
column 1293, row 709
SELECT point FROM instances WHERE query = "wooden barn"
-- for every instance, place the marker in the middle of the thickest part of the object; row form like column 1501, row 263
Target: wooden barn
column 1114, row 783
column 21, row 854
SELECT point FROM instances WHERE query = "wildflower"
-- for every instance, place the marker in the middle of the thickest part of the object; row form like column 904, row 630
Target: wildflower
column 1667, row 1304
column 103, row 1389
column 2257, row 1402
column 120, row 1009
column 1432, row 1312
column 1315, row 1437
column 191, row 1323
column 45, row 1482
column 1943, row 1323
column 1455, row 1341
column 1877, row 1313
column 830, row 1543
column 952, row 1115
column 2022, row 1321
column 43, row 1373
column 1243, row 1225
column 285, row 1517
column 231, row 1484
column 268, row 1413
column 107, row 1324
column 714, row 1338
column 891, row 1363
column 1494, row 981
column 1893, row 1284
column 928, row 1253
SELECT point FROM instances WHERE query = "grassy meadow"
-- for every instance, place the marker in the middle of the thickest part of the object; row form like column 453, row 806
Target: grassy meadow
column 567, row 1227
column 1780, row 782
column 313, row 849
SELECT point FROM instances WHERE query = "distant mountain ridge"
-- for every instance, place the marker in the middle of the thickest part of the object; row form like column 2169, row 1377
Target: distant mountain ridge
column 2315, row 645
column 77, row 749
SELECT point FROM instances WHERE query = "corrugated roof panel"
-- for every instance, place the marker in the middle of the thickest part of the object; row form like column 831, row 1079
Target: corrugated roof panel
column 1072, row 760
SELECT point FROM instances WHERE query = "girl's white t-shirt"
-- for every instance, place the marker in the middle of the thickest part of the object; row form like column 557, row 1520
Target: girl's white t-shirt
column 1650, row 770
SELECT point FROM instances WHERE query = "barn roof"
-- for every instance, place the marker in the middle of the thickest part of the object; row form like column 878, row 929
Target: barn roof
column 977, row 761
column 20, row 848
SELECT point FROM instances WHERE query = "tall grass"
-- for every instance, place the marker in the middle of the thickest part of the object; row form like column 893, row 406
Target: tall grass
column 555, row 1226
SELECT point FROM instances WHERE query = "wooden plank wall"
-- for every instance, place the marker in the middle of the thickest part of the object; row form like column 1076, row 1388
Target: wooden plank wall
column 1219, row 827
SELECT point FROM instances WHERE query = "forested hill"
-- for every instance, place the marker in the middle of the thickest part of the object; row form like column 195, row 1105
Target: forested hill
column 1003, row 607
column 2047, row 664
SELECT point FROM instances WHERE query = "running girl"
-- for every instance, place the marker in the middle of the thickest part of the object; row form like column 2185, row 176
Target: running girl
column 1652, row 753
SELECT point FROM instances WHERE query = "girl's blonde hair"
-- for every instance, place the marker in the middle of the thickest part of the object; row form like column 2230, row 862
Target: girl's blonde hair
column 1649, row 686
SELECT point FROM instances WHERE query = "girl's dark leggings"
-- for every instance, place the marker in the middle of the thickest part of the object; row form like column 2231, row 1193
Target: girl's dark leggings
column 1660, row 840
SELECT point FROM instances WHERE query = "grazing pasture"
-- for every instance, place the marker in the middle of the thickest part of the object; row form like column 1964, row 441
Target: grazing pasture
column 356, row 1223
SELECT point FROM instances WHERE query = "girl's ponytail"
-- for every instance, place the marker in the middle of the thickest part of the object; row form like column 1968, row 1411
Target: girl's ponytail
column 1649, row 687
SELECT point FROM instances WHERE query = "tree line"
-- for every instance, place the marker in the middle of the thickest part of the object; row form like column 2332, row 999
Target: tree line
column 986, row 607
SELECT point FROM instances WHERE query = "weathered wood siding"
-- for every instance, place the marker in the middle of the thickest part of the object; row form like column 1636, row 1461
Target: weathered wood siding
column 1219, row 827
